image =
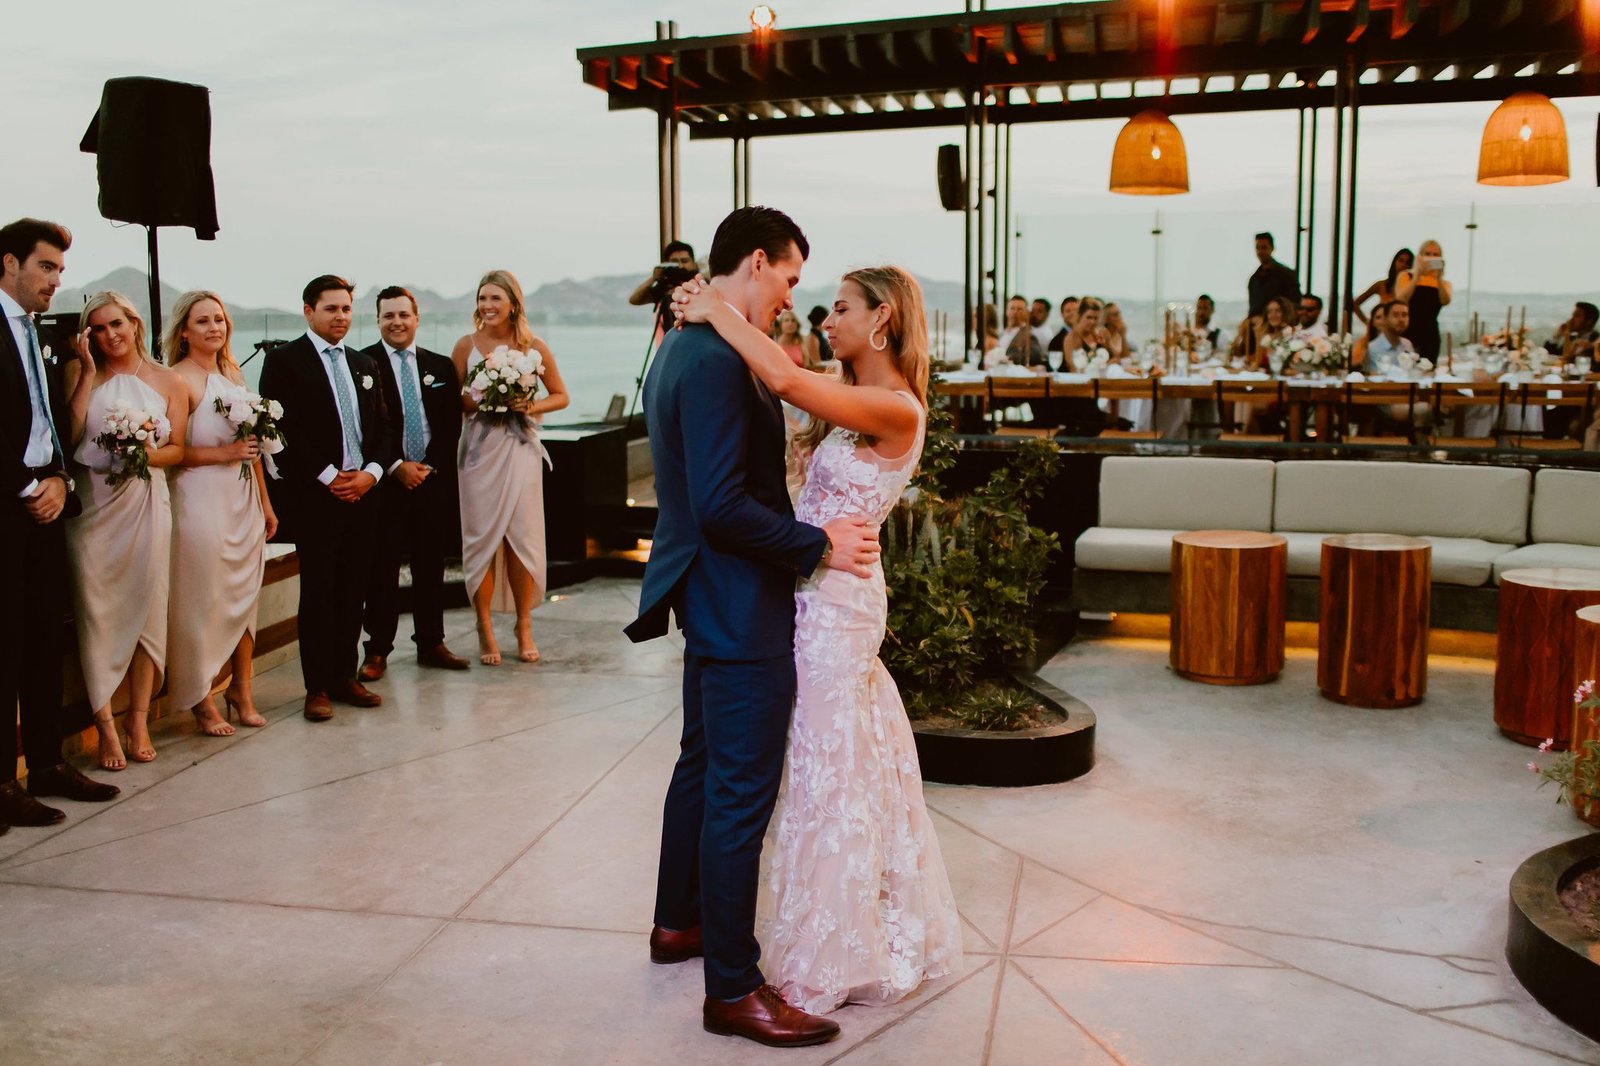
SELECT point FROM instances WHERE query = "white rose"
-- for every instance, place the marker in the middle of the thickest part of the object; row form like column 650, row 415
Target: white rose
column 527, row 381
column 492, row 375
column 274, row 409
column 366, row 381
column 141, row 434
column 271, row 446
column 481, row 382
column 427, row 379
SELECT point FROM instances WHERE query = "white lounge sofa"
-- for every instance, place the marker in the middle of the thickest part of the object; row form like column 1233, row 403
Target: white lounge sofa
column 1565, row 524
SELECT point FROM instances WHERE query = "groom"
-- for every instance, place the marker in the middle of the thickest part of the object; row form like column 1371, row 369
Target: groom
column 726, row 554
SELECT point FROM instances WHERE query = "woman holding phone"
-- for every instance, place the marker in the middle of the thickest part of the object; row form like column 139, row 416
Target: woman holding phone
column 1424, row 292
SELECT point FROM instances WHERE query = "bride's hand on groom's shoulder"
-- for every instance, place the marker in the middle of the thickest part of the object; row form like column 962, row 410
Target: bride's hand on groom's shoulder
column 694, row 300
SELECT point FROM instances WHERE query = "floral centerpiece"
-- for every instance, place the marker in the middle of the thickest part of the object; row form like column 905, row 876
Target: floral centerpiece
column 127, row 434
column 252, row 415
column 502, row 381
column 1299, row 353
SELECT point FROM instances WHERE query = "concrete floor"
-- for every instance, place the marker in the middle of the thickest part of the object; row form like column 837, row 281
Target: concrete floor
column 465, row 876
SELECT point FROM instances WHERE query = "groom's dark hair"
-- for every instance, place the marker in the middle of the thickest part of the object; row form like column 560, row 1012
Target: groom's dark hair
column 749, row 228
column 325, row 283
column 21, row 237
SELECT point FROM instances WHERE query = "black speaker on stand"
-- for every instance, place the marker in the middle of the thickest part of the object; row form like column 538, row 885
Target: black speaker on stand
column 152, row 142
column 952, row 186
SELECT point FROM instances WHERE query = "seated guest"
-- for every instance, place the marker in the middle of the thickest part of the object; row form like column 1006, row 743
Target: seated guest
column 1577, row 335
column 985, row 322
column 818, row 350
column 1307, row 315
column 1271, row 278
column 120, row 547
column 418, row 507
column 1382, row 357
column 1204, row 309
column 1069, row 314
column 1276, row 323
column 1017, row 345
column 1358, row 351
column 1039, row 319
column 1116, row 335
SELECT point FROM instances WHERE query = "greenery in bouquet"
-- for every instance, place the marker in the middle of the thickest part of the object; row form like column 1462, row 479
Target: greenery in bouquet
column 963, row 575
column 127, row 434
column 503, row 382
column 252, row 415
column 1576, row 773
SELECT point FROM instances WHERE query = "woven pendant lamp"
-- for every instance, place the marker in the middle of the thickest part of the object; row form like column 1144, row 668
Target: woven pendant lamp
column 1524, row 143
column 1149, row 158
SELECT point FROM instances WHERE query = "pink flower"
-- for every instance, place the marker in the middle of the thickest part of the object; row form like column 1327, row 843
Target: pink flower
column 1549, row 742
column 1584, row 691
column 1534, row 767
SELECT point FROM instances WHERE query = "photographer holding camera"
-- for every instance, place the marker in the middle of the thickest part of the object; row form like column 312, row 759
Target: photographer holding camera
column 676, row 267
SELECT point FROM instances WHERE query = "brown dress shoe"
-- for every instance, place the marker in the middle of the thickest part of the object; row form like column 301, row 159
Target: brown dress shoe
column 356, row 695
column 19, row 808
column 66, row 781
column 373, row 668
column 441, row 658
column 318, row 709
column 764, row 1017
column 669, row 945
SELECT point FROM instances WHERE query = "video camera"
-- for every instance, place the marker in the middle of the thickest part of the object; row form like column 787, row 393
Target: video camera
column 673, row 275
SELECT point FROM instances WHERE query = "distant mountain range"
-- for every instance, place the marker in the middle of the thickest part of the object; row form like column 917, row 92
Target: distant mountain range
column 603, row 301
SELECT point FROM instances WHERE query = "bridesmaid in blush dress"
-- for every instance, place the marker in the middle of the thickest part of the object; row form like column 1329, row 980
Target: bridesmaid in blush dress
column 502, row 474
column 118, row 548
column 221, row 521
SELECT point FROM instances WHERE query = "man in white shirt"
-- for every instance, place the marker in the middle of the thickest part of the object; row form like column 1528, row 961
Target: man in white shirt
column 1383, row 351
column 1308, row 312
column 1019, row 344
column 38, row 500
column 338, row 446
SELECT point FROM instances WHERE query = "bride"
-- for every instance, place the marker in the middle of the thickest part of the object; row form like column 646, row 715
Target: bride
column 855, row 905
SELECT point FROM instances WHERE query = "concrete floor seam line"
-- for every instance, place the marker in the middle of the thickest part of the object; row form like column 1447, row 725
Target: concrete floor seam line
column 1467, row 1006
column 1058, row 921
column 1150, row 962
column 979, row 932
column 1512, row 1040
column 1449, row 958
column 894, row 1022
column 1000, row 978
column 13, row 865
column 1069, row 1016
column 183, row 897
column 585, row 794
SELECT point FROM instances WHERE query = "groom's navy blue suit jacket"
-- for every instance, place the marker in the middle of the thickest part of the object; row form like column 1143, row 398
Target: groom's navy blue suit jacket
column 727, row 548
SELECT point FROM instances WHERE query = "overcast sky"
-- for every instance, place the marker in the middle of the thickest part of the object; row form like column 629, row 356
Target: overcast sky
column 424, row 141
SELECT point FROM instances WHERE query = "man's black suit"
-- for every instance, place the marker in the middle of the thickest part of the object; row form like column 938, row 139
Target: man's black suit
column 420, row 524
column 333, row 538
column 33, row 570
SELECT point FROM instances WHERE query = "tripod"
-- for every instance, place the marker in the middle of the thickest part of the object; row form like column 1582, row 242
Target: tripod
column 658, row 326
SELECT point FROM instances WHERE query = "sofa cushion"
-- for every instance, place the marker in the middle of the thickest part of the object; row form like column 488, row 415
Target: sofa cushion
column 1566, row 507
column 1418, row 499
column 1456, row 560
column 1181, row 492
column 1579, row 556
column 1147, row 551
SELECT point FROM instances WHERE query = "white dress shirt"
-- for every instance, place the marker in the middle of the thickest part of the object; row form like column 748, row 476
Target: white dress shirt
column 400, row 385
column 342, row 368
column 39, row 450
column 1316, row 329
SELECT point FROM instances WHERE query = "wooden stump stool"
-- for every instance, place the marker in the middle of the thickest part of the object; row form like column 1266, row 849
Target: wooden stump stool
column 1533, row 651
column 1585, row 724
column 1372, row 637
column 1228, row 606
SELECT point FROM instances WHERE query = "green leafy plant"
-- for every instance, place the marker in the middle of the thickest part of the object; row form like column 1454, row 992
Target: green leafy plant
column 963, row 574
column 1576, row 773
column 997, row 707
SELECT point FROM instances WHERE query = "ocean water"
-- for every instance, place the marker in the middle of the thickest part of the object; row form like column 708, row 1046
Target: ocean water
column 596, row 362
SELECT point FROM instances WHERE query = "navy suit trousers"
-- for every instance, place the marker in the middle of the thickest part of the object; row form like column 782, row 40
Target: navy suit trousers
column 730, row 765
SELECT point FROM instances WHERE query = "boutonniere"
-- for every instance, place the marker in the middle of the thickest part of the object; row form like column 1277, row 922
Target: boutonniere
column 366, row 381
column 49, row 356
column 427, row 379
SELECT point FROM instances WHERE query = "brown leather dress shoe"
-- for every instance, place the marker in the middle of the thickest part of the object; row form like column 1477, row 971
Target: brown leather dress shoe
column 19, row 808
column 373, row 668
column 65, row 780
column 318, row 709
column 764, row 1017
column 668, row 946
column 441, row 658
column 356, row 695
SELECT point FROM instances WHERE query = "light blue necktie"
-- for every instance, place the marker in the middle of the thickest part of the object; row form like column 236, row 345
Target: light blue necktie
column 40, row 396
column 411, row 444
column 347, row 406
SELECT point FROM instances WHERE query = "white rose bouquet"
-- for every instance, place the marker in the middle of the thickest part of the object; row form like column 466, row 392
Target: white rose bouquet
column 502, row 380
column 252, row 415
column 127, row 434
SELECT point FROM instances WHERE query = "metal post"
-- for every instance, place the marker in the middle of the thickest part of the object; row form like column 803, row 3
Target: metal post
column 1006, row 229
column 1472, row 240
column 969, row 323
column 983, row 201
column 672, row 137
column 1311, row 208
column 1299, row 202
column 996, row 220
column 664, row 164
column 738, row 178
column 745, row 169
column 1338, row 193
column 1350, row 208
column 1155, row 280
column 155, row 293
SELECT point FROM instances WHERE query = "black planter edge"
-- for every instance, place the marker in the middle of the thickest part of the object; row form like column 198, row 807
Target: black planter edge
column 1556, row 961
column 1042, row 756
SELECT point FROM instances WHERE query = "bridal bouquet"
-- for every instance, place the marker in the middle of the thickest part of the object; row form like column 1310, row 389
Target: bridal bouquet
column 251, row 415
column 127, row 434
column 503, row 378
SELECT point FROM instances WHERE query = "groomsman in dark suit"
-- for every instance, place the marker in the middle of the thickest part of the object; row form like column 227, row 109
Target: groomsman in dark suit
column 419, row 514
column 35, row 502
column 336, row 449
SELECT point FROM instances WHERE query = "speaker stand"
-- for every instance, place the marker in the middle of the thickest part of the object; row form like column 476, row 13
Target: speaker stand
column 154, row 274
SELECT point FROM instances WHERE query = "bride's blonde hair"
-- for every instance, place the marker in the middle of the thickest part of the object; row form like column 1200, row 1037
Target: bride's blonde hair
column 906, row 333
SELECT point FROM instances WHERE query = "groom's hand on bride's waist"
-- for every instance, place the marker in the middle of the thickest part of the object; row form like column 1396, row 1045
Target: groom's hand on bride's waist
column 852, row 546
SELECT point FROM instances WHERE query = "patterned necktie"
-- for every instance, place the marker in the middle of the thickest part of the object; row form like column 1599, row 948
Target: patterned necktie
column 411, row 443
column 347, row 407
column 40, row 396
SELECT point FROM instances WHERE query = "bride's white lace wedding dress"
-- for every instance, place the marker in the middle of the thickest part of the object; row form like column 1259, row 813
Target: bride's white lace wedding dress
column 855, row 904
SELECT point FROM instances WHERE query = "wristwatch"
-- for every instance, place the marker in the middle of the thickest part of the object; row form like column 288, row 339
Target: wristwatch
column 72, row 486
